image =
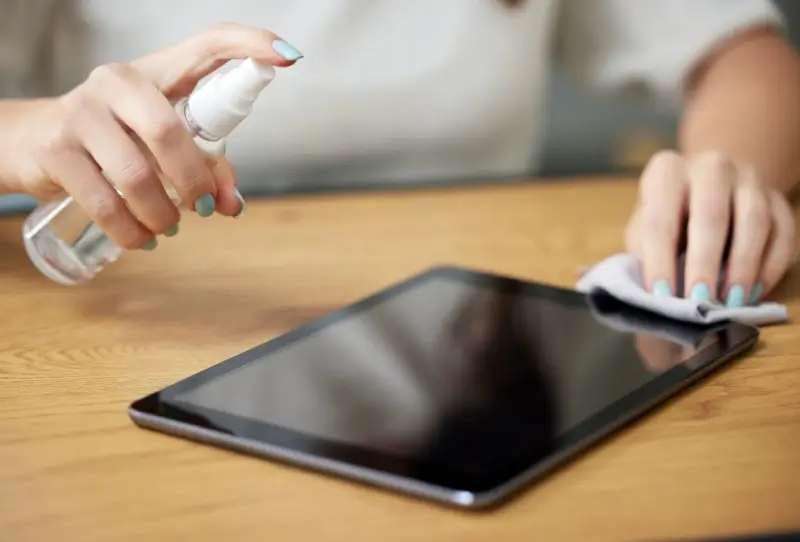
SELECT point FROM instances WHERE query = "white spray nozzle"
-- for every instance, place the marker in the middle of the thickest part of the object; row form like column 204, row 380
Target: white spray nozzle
column 225, row 101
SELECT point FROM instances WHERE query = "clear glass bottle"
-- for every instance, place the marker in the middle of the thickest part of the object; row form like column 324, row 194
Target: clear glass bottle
column 60, row 238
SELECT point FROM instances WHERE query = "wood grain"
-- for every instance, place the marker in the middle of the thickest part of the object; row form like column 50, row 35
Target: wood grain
column 723, row 458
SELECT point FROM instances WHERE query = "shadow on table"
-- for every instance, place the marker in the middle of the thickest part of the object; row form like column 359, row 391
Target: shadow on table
column 174, row 308
column 151, row 305
column 14, row 260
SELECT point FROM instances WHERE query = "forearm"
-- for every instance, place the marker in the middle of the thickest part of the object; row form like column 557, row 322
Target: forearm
column 16, row 119
column 745, row 102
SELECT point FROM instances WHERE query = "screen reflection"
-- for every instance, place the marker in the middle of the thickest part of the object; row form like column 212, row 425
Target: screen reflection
column 467, row 372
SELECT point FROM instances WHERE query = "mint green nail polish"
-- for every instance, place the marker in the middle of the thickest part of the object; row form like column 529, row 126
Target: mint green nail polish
column 240, row 214
column 735, row 297
column 286, row 51
column 205, row 205
column 150, row 245
column 173, row 231
column 662, row 289
column 755, row 294
column 701, row 293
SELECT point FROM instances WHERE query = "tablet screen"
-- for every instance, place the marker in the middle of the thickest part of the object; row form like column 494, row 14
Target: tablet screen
column 471, row 372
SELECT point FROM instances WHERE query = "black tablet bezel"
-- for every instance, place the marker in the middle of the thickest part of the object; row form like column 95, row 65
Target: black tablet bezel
column 209, row 425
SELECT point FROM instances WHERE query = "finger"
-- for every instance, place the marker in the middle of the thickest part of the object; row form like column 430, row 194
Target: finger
column 177, row 70
column 663, row 195
column 81, row 177
column 129, row 169
column 752, row 222
column 633, row 240
column 711, row 180
column 140, row 106
column 781, row 248
column 229, row 201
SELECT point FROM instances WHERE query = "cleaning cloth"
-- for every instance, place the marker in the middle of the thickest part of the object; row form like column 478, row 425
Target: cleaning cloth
column 620, row 277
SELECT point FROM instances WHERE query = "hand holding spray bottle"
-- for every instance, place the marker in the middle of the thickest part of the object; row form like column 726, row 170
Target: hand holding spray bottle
column 64, row 243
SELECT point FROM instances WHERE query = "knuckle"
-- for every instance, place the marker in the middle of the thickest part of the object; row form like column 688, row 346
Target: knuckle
column 756, row 211
column 76, row 110
column 136, row 174
column 663, row 176
column 661, row 162
column 99, row 74
column 665, row 158
column 56, row 141
column 77, row 102
column 111, row 71
column 712, row 167
column 713, row 160
column 105, row 211
column 166, row 130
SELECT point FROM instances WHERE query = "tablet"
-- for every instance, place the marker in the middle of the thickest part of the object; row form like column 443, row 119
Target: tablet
column 457, row 386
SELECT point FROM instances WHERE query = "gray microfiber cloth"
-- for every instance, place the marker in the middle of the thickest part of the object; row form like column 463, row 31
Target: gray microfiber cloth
column 620, row 276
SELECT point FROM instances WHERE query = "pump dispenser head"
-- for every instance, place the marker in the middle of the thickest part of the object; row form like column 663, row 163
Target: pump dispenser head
column 221, row 104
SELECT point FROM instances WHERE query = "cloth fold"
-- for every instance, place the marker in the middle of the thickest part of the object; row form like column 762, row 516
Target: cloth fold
column 625, row 318
column 620, row 276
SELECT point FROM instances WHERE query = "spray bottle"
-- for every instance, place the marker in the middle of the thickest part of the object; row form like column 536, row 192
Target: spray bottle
column 63, row 242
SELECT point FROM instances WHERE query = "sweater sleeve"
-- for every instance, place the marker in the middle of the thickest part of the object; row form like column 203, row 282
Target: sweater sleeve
column 651, row 45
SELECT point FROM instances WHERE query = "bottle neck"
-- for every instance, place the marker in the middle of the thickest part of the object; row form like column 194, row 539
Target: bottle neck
column 191, row 124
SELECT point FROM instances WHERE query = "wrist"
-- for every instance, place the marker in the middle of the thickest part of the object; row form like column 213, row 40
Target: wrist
column 20, row 121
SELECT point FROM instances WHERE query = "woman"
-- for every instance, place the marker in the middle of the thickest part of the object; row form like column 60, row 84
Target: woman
column 415, row 90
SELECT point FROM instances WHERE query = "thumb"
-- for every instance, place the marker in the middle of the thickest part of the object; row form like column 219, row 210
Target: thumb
column 175, row 71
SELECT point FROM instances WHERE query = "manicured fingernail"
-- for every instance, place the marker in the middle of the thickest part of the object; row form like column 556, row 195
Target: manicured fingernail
column 173, row 231
column 205, row 205
column 662, row 289
column 735, row 297
column 286, row 51
column 150, row 245
column 700, row 293
column 755, row 294
column 240, row 214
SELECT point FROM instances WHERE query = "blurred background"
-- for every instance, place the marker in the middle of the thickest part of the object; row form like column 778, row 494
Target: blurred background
column 591, row 134
column 584, row 133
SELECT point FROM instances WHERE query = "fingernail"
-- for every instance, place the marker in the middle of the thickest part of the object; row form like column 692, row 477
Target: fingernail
column 240, row 214
column 205, row 205
column 150, row 245
column 735, row 297
column 755, row 294
column 662, row 289
column 173, row 231
column 286, row 51
column 700, row 293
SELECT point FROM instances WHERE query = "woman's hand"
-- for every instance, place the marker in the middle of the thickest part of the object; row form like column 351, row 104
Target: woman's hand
column 121, row 121
column 737, row 233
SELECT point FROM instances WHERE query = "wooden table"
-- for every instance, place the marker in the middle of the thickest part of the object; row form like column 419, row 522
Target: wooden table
column 723, row 458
